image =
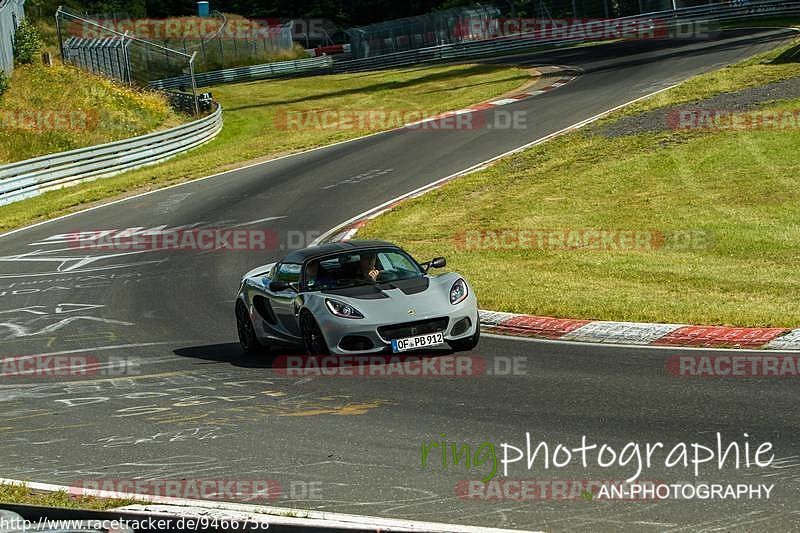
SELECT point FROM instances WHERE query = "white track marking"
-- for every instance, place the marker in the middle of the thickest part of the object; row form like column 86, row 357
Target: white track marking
column 272, row 515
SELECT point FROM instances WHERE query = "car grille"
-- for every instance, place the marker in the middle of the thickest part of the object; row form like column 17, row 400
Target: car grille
column 461, row 326
column 410, row 329
column 355, row 343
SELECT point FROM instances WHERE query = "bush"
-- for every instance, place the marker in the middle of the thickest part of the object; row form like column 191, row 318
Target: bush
column 27, row 43
column 4, row 82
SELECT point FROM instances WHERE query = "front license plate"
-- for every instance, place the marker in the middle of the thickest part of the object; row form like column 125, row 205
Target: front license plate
column 420, row 341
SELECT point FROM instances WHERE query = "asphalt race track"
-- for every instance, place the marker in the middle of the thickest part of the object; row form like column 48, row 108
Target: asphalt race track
column 198, row 409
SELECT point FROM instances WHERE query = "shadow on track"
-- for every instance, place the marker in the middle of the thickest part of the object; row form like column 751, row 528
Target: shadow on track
column 611, row 56
column 231, row 353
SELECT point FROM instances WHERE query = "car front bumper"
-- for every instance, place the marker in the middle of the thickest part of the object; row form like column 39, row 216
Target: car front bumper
column 361, row 336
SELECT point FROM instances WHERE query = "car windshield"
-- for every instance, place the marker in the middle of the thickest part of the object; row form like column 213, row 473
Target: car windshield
column 363, row 267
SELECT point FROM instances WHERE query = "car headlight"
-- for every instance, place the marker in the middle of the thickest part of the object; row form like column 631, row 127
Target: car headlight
column 458, row 291
column 342, row 309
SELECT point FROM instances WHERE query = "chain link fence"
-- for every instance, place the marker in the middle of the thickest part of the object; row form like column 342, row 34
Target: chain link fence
column 219, row 40
column 238, row 42
column 432, row 29
column 95, row 47
column 11, row 13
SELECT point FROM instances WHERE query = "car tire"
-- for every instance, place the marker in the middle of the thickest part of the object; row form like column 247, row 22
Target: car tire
column 463, row 345
column 313, row 340
column 247, row 333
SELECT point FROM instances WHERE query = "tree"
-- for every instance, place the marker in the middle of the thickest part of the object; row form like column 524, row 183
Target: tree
column 27, row 43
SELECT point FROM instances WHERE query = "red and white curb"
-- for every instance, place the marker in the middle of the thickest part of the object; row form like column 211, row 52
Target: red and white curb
column 257, row 514
column 523, row 95
column 639, row 333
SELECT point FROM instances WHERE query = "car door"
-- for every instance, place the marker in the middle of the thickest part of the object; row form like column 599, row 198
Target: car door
column 283, row 302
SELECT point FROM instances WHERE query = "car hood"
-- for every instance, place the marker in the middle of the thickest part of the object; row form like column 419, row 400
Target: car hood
column 398, row 301
column 378, row 291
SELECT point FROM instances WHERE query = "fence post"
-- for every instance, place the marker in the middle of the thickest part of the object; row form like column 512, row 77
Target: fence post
column 58, row 30
column 126, row 59
column 194, row 83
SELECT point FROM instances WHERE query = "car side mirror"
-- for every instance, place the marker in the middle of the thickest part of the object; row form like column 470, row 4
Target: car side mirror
column 278, row 286
column 438, row 262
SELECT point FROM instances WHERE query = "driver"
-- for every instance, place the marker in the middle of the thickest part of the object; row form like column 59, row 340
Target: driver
column 368, row 269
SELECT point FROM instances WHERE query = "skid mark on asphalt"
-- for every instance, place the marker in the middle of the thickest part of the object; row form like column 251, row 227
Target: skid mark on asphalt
column 351, row 409
column 179, row 399
column 24, row 330
column 17, row 322
column 49, row 429
column 199, row 433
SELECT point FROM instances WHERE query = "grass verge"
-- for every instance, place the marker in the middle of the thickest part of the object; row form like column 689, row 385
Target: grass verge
column 730, row 196
column 790, row 22
column 253, row 110
column 22, row 495
column 90, row 109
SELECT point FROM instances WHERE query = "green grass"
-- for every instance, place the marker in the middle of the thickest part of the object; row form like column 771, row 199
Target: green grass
column 21, row 494
column 250, row 132
column 99, row 112
column 738, row 189
column 764, row 22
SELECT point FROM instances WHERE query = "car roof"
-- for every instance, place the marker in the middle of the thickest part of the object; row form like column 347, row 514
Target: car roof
column 314, row 252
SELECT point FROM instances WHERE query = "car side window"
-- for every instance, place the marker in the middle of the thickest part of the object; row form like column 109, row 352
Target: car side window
column 288, row 272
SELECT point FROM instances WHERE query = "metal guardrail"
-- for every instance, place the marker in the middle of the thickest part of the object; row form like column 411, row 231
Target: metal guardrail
column 314, row 65
column 465, row 50
column 25, row 179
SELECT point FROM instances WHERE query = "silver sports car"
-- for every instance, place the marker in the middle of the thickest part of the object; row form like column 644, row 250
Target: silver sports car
column 355, row 297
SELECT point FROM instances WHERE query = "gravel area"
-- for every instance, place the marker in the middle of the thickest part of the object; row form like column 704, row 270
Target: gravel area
column 668, row 117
